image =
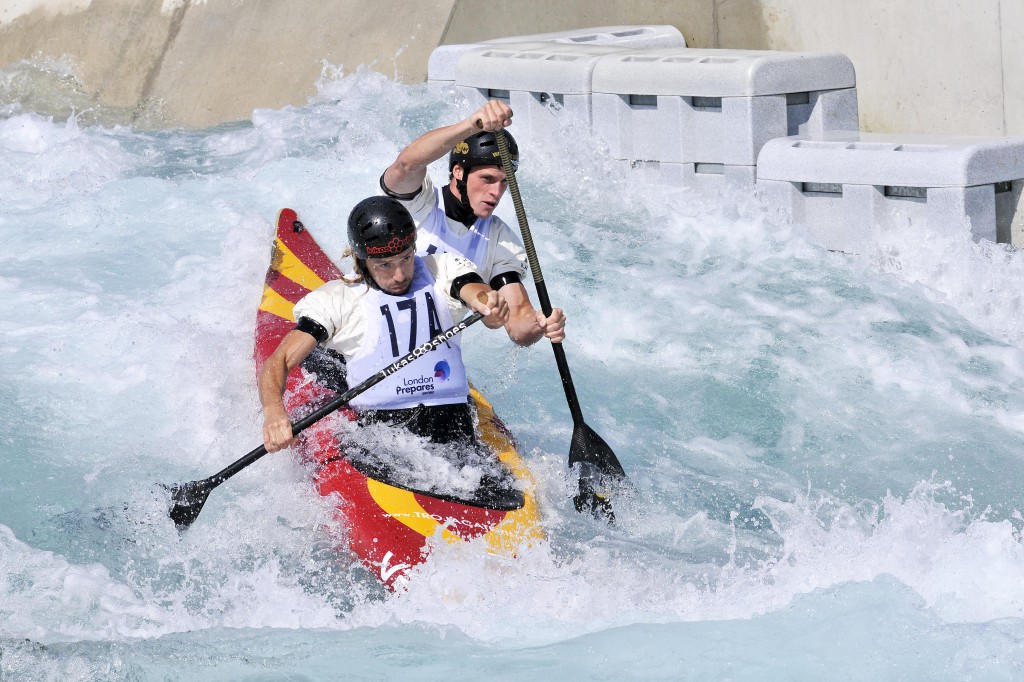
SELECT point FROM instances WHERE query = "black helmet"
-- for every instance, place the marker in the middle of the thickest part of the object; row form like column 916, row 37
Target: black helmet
column 379, row 227
column 481, row 149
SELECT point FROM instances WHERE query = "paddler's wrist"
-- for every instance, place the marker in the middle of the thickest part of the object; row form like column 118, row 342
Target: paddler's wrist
column 275, row 413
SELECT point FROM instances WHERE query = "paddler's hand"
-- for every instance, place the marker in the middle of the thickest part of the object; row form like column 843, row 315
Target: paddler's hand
column 553, row 325
column 492, row 116
column 277, row 430
column 493, row 307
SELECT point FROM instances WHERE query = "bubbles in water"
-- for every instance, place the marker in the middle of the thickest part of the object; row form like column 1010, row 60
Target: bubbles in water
column 789, row 418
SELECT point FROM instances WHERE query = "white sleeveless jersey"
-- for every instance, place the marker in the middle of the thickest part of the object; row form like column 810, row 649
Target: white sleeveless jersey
column 489, row 243
column 396, row 325
column 434, row 235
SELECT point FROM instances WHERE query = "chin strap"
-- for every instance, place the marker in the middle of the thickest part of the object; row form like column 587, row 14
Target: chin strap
column 458, row 208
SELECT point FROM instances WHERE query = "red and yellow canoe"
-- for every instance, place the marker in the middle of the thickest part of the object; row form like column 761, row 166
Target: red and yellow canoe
column 388, row 525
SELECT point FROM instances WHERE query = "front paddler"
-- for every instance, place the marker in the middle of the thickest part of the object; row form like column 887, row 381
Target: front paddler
column 392, row 302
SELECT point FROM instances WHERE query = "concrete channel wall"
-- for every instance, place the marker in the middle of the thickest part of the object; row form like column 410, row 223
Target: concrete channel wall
column 929, row 66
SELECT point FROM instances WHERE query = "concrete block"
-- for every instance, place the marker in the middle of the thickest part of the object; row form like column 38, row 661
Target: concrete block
column 634, row 37
column 975, row 206
column 841, row 183
column 706, row 179
column 717, row 106
column 543, row 81
column 1010, row 214
column 444, row 60
column 723, row 73
column 837, row 217
column 825, row 110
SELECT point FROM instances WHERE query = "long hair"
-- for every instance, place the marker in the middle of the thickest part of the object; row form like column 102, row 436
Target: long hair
column 360, row 275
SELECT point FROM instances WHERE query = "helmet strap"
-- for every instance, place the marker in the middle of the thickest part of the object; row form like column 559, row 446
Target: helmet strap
column 458, row 208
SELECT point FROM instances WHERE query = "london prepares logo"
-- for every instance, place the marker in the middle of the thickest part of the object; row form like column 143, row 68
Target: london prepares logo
column 425, row 384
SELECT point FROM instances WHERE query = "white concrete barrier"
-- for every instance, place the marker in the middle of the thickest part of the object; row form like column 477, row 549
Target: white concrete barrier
column 707, row 179
column 842, row 185
column 636, row 37
column 441, row 67
column 717, row 108
column 785, row 123
column 543, row 81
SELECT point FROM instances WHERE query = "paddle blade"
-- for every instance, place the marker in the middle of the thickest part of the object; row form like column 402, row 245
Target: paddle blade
column 589, row 447
column 188, row 500
column 593, row 497
column 599, row 471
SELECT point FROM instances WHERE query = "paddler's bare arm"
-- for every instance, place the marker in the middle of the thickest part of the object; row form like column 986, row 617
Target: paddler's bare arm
column 406, row 174
column 483, row 299
column 526, row 325
column 277, row 427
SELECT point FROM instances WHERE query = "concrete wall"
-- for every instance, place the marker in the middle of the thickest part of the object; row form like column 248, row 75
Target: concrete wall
column 201, row 63
column 941, row 66
column 930, row 66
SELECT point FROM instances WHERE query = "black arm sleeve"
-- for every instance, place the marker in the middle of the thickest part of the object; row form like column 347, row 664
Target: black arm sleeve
column 396, row 195
column 313, row 328
column 463, row 280
column 498, row 281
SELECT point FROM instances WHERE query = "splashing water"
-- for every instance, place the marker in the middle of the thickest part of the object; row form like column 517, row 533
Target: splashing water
column 823, row 449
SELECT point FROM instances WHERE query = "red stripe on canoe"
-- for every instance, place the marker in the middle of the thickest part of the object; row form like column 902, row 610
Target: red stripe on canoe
column 289, row 290
column 304, row 247
column 465, row 521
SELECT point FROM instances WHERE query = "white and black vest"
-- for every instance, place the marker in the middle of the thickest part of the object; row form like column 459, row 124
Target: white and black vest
column 395, row 326
column 436, row 236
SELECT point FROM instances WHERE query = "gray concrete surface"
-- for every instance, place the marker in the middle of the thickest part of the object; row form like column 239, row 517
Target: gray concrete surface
column 930, row 66
column 923, row 66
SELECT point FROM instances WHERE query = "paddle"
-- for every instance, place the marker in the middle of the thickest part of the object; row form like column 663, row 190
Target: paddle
column 189, row 498
column 598, row 464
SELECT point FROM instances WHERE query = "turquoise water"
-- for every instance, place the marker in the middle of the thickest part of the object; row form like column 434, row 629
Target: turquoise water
column 824, row 450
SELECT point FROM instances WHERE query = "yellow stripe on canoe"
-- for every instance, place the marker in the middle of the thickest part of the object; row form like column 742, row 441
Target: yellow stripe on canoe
column 402, row 506
column 285, row 262
column 289, row 265
column 276, row 304
column 521, row 526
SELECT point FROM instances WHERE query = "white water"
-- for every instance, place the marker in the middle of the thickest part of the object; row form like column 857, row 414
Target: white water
column 824, row 450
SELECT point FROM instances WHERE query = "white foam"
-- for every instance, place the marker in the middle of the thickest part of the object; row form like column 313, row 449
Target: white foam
column 762, row 394
column 47, row 598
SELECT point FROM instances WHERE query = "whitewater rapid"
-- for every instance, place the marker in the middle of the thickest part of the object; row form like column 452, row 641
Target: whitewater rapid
column 823, row 449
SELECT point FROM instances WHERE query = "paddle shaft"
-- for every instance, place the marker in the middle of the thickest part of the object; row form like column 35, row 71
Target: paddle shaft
column 538, row 276
column 315, row 416
column 599, row 466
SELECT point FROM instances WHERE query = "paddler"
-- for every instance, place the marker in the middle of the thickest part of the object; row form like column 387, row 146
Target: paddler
column 391, row 303
column 459, row 218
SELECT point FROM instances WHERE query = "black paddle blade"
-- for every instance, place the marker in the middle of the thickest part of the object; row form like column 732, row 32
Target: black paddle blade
column 593, row 496
column 599, row 471
column 188, row 500
column 590, row 448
